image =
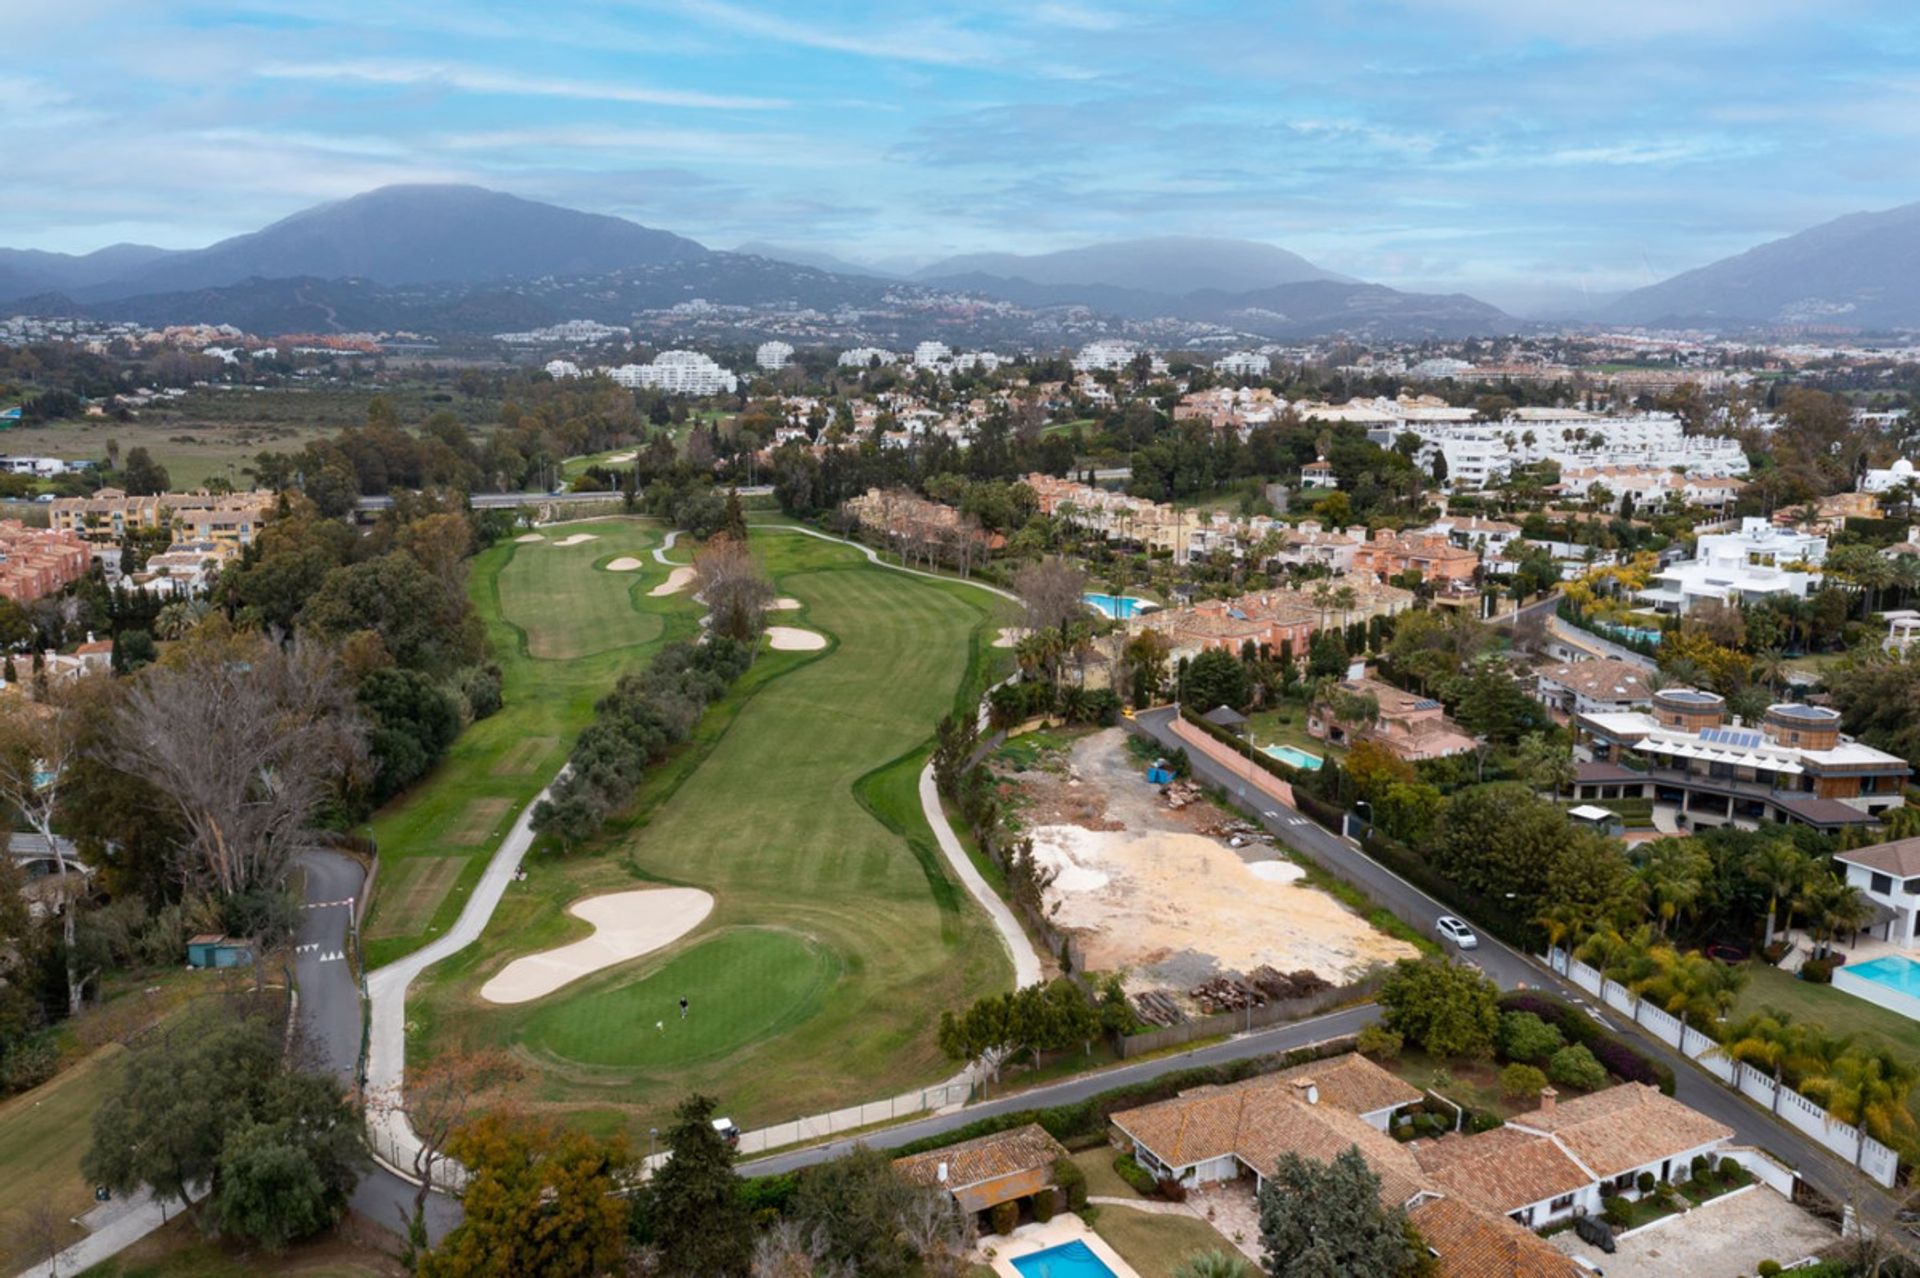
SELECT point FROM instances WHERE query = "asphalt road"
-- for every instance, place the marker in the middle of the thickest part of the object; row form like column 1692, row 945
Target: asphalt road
column 330, row 1021
column 1512, row 970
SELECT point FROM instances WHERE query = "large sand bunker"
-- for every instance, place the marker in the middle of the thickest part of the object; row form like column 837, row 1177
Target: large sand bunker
column 576, row 539
column 530, row 537
column 676, row 582
column 793, row 639
column 1009, row 636
column 625, row 563
column 1174, row 908
column 626, row 926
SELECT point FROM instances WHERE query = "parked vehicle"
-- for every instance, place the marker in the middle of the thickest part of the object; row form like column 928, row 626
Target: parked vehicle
column 1452, row 929
column 1594, row 1231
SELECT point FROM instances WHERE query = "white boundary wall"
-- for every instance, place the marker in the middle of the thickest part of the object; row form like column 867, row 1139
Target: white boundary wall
column 1849, row 1142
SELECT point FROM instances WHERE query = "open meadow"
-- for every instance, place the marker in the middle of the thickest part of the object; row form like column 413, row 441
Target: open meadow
column 837, row 936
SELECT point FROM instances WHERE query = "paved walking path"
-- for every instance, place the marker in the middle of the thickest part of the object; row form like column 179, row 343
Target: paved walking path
column 116, row 1226
column 1026, row 960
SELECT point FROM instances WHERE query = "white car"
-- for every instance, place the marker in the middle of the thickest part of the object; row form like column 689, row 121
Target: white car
column 1452, row 929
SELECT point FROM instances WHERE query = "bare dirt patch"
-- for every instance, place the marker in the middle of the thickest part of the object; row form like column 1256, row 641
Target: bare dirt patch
column 478, row 821
column 625, row 563
column 626, row 925
column 520, row 757
column 792, row 639
column 1162, row 894
column 676, row 581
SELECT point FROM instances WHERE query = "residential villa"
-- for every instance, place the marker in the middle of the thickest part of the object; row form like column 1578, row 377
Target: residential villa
column 1318, row 473
column 1795, row 766
column 1740, row 567
column 182, row 569
column 1273, row 618
column 1475, row 1198
column 984, row 1172
column 903, row 516
column 1475, row 532
column 1889, row 875
column 1308, row 545
column 1435, row 558
column 1602, row 686
column 1412, row 726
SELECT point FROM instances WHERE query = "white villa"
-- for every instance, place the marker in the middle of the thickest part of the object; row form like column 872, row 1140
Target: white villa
column 1889, row 875
column 1740, row 567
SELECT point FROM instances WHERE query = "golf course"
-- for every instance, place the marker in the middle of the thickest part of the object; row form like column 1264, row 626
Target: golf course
column 836, row 937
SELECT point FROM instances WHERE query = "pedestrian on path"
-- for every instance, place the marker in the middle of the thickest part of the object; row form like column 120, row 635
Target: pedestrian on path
column 683, row 1007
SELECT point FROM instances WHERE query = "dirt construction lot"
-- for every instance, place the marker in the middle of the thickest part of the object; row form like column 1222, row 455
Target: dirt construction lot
column 1157, row 893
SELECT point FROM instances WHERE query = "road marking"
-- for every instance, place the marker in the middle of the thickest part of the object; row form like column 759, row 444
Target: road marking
column 309, row 946
column 327, row 905
column 334, row 957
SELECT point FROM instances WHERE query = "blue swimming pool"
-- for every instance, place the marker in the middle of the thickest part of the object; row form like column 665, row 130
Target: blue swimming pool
column 1068, row 1260
column 1116, row 607
column 1892, row 982
column 1294, row 758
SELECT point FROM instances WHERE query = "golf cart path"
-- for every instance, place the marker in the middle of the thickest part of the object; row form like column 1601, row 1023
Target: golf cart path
column 390, row 1134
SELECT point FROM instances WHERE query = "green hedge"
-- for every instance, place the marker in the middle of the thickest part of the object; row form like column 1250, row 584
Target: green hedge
column 1135, row 1175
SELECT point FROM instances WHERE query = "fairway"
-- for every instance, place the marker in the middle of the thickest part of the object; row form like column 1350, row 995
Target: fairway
column 498, row 764
column 43, row 1135
column 569, row 608
column 741, row 985
column 837, row 937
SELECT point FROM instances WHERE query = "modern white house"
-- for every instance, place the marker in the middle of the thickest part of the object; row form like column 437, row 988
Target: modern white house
column 1740, row 567
column 1882, row 481
column 1889, row 875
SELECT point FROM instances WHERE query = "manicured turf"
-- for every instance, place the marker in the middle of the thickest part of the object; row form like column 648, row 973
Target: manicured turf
column 750, row 982
column 796, row 807
column 499, row 764
column 1837, row 1010
column 43, row 1134
column 1155, row 1244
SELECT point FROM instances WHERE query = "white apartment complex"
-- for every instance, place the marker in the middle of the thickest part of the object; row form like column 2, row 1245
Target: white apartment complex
column 562, row 368
column 1111, row 356
column 864, row 357
column 773, row 356
column 1243, row 364
column 1482, row 453
column 931, row 354
column 678, row 373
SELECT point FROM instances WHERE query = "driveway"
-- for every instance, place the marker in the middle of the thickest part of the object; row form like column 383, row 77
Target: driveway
column 1725, row 1238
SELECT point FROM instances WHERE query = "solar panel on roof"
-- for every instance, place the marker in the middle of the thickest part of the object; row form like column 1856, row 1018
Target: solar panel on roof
column 1741, row 737
column 1426, row 704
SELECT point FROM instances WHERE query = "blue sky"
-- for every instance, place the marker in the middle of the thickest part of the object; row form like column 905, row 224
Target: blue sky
column 1499, row 146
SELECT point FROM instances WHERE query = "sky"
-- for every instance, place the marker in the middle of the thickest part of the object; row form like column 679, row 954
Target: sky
column 1522, row 150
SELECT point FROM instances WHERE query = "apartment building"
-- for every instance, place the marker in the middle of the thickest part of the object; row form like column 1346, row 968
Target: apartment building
column 773, row 356
column 1242, row 364
column 1480, row 454
column 105, row 518
column 1435, row 558
column 1274, row 618
column 35, row 562
column 678, row 373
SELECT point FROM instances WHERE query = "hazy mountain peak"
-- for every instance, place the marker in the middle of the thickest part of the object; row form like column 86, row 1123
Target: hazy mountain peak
column 1174, row 265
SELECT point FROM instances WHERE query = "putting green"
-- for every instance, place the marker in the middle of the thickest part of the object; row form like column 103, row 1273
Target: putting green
column 741, row 985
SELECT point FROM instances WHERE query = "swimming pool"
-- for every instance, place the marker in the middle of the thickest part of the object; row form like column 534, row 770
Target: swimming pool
column 1892, row 982
column 1115, row 607
column 1068, row 1260
column 1294, row 758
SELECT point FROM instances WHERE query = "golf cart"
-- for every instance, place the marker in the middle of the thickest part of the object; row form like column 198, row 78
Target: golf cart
column 728, row 1132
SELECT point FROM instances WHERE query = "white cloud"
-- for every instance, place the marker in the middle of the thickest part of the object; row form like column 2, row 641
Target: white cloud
column 470, row 79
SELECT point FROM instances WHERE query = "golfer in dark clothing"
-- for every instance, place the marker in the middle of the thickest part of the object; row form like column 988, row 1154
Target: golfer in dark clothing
column 683, row 1008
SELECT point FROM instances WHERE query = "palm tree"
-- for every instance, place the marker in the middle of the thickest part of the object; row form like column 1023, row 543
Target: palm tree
column 1786, row 1049
column 1692, row 986
column 1675, row 873
column 1564, row 924
column 1770, row 667
column 1780, row 868
column 1868, row 1087
column 1840, row 909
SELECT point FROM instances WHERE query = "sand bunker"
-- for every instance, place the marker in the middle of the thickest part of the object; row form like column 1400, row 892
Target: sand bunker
column 617, row 458
column 1009, row 636
column 676, row 581
column 576, row 539
column 625, row 563
column 793, row 639
column 785, row 603
column 626, row 925
column 1173, row 908
column 530, row 537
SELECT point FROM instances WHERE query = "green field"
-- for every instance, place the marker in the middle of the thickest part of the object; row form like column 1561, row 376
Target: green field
column 1840, row 1012
column 563, row 629
column 1155, row 1244
column 43, row 1134
column 837, row 937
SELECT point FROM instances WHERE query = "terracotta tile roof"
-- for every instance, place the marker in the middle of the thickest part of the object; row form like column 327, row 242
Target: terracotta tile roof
column 1473, row 1244
column 1502, row 1170
column 984, row 1158
column 1624, row 1127
column 1604, row 679
column 1354, row 1083
column 1901, row 858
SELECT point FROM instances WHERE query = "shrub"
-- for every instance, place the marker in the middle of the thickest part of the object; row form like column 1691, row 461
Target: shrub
column 1379, row 1043
column 1817, row 971
column 1519, row 1080
column 28, row 1063
column 1072, row 1182
column 1003, row 1218
column 1135, row 1175
column 1698, row 1167
column 1618, row 1058
column 1484, row 1120
column 1171, row 1190
column 1525, row 1037
column 1614, row 1208
column 1767, row 1268
column 1575, row 1066
column 1733, row 1173
column 1043, row 1205
column 1646, row 1182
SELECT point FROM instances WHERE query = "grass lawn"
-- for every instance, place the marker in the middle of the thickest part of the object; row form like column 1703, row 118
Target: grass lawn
column 837, row 936
column 1156, row 1244
column 43, row 1134
column 1102, row 1180
column 563, row 629
column 1837, row 1010
column 177, row 1250
column 1287, row 725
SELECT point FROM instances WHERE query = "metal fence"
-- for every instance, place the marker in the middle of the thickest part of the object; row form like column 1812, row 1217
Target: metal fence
column 1878, row 1161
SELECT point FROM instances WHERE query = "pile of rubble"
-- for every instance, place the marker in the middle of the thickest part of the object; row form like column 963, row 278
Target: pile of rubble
column 1280, row 986
column 1226, row 994
column 1180, row 794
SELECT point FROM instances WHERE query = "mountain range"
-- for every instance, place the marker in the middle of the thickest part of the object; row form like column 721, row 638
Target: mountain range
column 461, row 259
